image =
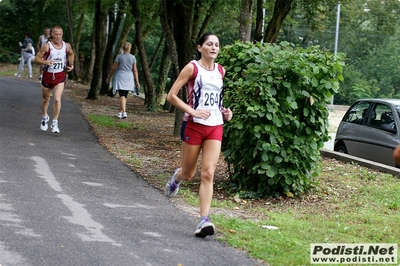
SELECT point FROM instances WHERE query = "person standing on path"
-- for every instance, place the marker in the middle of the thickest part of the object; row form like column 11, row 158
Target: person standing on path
column 201, row 126
column 42, row 40
column 58, row 58
column 125, row 70
column 27, row 53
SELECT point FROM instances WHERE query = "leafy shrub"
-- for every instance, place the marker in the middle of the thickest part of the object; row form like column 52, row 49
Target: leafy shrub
column 8, row 56
column 279, row 96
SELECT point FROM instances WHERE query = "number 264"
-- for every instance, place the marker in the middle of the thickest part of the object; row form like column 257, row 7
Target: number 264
column 211, row 99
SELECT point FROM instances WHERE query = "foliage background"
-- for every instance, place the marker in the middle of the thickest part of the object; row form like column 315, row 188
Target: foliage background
column 368, row 34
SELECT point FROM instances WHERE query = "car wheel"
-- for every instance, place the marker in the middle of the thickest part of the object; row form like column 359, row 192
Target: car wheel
column 341, row 149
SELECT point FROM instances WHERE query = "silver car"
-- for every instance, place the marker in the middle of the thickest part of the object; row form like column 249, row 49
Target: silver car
column 370, row 129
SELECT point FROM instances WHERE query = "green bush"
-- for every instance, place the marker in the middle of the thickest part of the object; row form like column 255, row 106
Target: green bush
column 8, row 56
column 279, row 96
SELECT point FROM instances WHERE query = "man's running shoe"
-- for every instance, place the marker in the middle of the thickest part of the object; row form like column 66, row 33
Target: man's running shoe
column 43, row 123
column 124, row 115
column 54, row 127
column 18, row 75
column 172, row 187
column 119, row 115
column 204, row 228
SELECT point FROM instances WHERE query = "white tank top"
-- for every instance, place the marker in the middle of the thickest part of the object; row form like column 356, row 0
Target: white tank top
column 204, row 91
column 59, row 56
column 43, row 40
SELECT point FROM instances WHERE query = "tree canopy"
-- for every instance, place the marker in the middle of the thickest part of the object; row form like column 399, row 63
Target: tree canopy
column 367, row 35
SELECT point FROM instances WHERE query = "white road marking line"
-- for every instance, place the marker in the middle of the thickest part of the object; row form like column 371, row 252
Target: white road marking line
column 43, row 169
column 93, row 184
column 111, row 205
column 80, row 216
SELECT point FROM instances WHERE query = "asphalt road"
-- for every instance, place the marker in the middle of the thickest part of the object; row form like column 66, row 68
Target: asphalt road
column 65, row 200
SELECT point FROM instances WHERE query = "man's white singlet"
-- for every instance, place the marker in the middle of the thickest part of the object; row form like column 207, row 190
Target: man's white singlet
column 43, row 40
column 59, row 56
column 204, row 91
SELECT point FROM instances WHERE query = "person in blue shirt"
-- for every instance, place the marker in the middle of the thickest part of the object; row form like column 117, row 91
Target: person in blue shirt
column 27, row 54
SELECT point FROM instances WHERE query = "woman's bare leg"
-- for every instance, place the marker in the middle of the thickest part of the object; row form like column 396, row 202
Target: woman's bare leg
column 210, row 156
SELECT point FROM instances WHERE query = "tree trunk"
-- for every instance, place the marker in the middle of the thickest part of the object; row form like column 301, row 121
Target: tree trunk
column 168, row 28
column 206, row 22
column 78, row 64
column 151, row 99
column 100, row 40
column 246, row 15
column 89, row 72
column 281, row 9
column 126, row 29
column 258, row 33
column 155, row 55
column 182, row 14
column 163, row 74
column 109, row 53
column 70, row 35
column 165, row 20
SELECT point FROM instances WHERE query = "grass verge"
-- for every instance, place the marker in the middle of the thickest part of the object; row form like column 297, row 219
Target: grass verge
column 107, row 121
column 350, row 205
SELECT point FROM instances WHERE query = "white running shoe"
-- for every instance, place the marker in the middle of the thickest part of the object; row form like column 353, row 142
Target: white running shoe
column 124, row 115
column 18, row 75
column 43, row 123
column 30, row 76
column 119, row 115
column 172, row 187
column 54, row 127
column 204, row 228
